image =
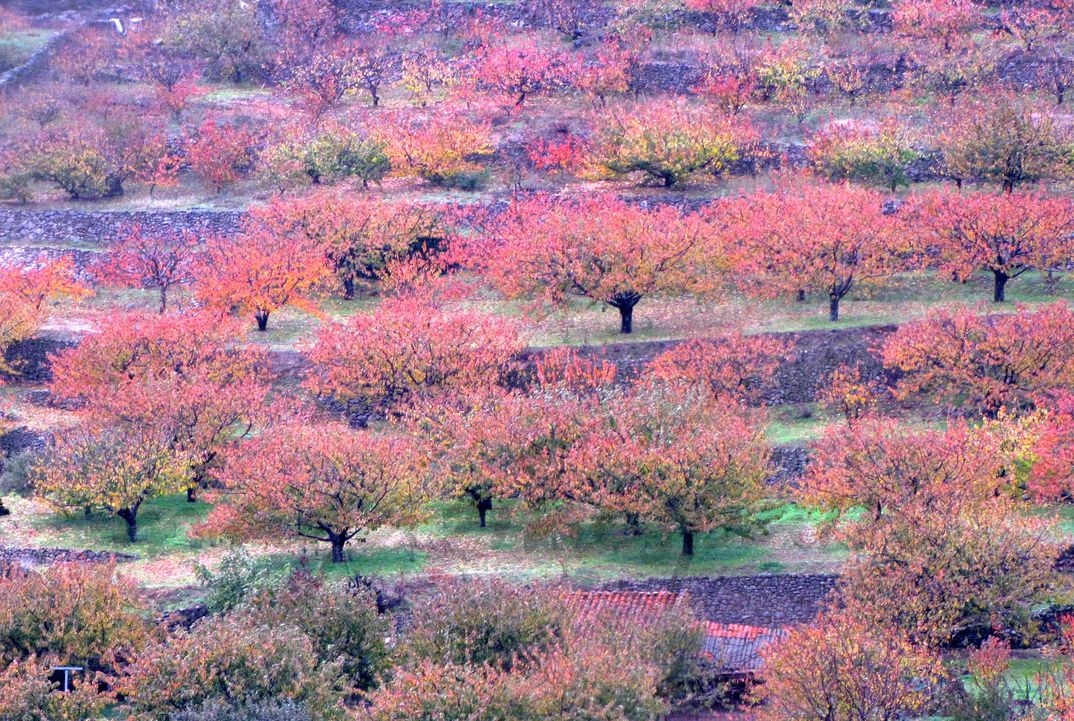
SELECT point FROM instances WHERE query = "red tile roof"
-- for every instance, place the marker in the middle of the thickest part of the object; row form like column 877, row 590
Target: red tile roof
column 736, row 648
column 732, row 647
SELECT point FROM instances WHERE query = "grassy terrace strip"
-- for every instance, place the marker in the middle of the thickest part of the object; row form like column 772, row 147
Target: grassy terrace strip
column 449, row 542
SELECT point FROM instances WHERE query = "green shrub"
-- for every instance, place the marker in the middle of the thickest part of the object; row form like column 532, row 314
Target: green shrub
column 486, row 622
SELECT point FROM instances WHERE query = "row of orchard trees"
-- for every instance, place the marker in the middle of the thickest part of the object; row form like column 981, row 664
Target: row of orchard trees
column 935, row 46
column 91, row 145
column 800, row 239
column 169, row 403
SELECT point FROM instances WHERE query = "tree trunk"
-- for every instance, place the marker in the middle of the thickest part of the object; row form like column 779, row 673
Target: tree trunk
column 163, row 300
column 999, row 292
column 262, row 320
column 484, row 505
column 192, row 494
column 625, row 303
column 800, row 297
column 337, row 548
column 130, row 515
column 348, row 288
column 833, row 308
column 633, row 524
column 626, row 319
column 687, row 543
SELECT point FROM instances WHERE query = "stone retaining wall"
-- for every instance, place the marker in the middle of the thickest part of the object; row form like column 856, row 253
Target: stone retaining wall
column 100, row 226
column 762, row 600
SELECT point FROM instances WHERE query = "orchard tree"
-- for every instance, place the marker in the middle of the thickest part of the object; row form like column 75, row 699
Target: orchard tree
column 783, row 74
column 26, row 297
column 567, row 17
column 1006, row 235
column 441, row 147
column 232, row 663
column 163, row 260
column 825, row 16
column 1032, row 26
column 320, row 481
column 177, row 374
column 879, row 154
column 731, row 366
column 611, row 69
column 521, row 67
column 884, row 467
column 600, row 248
column 365, row 239
column 92, row 157
column 480, row 437
column 842, row 668
column 943, row 25
column 989, row 362
column 1003, row 140
column 30, row 693
column 227, row 36
column 410, row 346
column 329, row 154
column 667, row 144
column 942, row 545
column 460, row 441
column 1051, row 477
column 173, row 78
column 220, row 153
column 813, row 237
column 115, row 469
column 676, row 456
column 259, row 271
column 81, row 613
column 325, row 79
column 733, row 15
column 1056, row 73
column 851, row 393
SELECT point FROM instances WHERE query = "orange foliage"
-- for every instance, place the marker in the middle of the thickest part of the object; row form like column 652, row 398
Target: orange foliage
column 319, row 481
column 733, row 365
column 25, row 298
column 259, row 271
column 964, row 359
column 1006, row 235
column 599, row 248
column 843, row 668
column 409, row 347
column 161, row 260
column 825, row 238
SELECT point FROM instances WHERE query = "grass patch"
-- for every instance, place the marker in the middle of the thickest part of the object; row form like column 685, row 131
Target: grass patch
column 360, row 560
column 795, row 432
column 16, row 47
column 162, row 528
column 599, row 549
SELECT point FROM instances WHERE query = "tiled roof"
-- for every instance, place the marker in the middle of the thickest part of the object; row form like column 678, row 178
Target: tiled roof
column 730, row 647
column 736, row 648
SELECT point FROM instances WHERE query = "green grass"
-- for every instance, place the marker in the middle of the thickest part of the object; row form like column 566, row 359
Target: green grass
column 16, row 47
column 451, row 541
column 162, row 528
column 1022, row 677
column 359, row 561
column 796, row 431
column 599, row 548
